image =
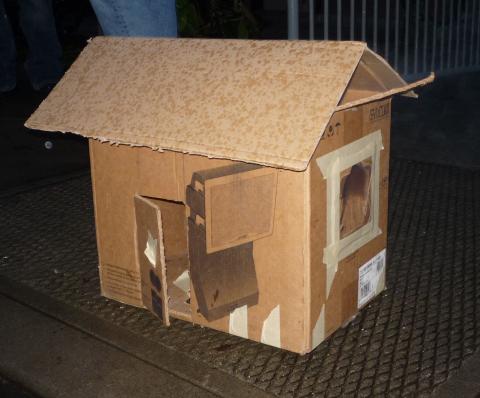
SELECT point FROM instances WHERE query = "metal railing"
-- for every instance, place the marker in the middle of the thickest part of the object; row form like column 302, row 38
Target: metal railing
column 415, row 36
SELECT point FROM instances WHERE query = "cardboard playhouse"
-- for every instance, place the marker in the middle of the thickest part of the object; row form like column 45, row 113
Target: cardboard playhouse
column 238, row 185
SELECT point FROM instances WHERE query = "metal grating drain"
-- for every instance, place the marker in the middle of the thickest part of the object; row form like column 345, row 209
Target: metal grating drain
column 404, row 343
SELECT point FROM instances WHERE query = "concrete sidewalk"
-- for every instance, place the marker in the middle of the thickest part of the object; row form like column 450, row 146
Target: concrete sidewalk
column 56, row 351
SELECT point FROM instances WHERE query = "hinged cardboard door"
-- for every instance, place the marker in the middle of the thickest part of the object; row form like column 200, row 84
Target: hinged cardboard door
column 151, row 257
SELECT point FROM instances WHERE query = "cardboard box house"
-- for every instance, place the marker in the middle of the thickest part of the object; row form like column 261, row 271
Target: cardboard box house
column 238, row 185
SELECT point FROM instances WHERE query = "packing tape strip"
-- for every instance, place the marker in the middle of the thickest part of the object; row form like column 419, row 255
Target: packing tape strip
column 331, row 165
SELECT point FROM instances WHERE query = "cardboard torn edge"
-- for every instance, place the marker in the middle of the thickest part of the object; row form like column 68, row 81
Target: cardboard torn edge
column 266, row 160
column 404, row 89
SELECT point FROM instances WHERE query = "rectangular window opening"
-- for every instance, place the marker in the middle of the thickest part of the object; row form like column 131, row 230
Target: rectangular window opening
column 355, row 197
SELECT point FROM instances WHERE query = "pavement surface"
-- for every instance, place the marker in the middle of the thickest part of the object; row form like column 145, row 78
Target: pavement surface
column 408, row 342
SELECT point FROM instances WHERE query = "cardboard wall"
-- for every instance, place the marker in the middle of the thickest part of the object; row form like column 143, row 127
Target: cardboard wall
column 347, row 126
column 121, row 172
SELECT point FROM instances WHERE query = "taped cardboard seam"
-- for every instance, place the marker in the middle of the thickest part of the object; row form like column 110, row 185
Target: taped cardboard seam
column 151, row 249
column 318, row 333
column 238, row 322
column 389, row 93
column 271, row 333
column 183, row 282
column 331, row 165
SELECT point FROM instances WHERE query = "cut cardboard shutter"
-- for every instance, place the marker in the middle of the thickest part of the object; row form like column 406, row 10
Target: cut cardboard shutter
column 263, row 102
column 164, row 223
column 221, row 229
column 151, row 257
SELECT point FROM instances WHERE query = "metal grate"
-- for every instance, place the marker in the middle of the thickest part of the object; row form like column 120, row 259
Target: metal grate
column 406, row 342
column 415, row 36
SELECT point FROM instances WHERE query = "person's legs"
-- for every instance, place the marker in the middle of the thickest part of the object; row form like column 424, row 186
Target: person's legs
column 44, row 64
column 137, row 18
column 7, row 53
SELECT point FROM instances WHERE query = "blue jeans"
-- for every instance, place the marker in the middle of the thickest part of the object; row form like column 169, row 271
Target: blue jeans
column 136, row 18
column 43, row 64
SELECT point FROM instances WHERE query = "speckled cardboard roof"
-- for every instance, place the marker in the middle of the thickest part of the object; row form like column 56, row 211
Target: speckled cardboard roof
column 264, row 102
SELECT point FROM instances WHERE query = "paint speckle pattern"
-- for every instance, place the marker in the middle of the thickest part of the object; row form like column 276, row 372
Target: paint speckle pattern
column 265, row 102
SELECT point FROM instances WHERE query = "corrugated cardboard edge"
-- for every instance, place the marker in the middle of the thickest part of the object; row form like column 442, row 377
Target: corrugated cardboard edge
column 238, row 156
column 389, row 93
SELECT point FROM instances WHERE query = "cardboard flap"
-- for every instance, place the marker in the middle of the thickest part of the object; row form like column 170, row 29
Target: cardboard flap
column 375, row 79
column 151, row 257
column 236, row 202
column 264, row 102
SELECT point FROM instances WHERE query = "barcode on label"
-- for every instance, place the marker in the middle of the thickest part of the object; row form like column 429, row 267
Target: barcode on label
column 369, row 276
column 365, row 289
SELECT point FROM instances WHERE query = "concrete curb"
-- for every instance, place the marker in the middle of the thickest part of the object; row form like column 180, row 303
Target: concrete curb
column 170, row 361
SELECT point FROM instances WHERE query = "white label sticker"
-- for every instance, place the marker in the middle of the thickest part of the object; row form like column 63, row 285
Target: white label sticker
column 368, row 277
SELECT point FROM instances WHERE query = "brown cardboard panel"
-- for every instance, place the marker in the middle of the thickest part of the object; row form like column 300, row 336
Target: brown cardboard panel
column 151, row 258
column 334, row 138
column 215, row 275
column 375, row 116
column 174, row 224
column 196, row 201
column 342, row 302
column 263, row 102
column 157, row 174
column 118, row 174
column 115, row 180
column 280, row 270
column 239, row 205
column 179, row 300
column 223, row 280
column 195, row 163
column 120, row 284
column 280, row 266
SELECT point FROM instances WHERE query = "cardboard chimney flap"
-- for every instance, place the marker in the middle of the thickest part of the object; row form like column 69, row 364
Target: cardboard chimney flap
column 264, row 102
